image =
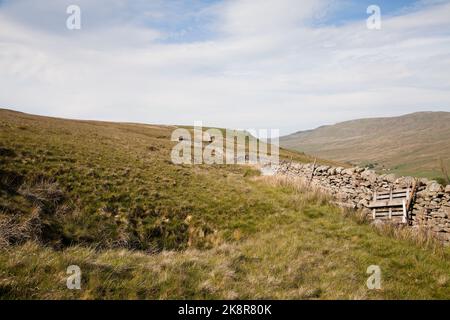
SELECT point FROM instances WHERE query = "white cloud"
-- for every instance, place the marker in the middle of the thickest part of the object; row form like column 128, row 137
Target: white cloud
column 263, row 65
column 249, row 17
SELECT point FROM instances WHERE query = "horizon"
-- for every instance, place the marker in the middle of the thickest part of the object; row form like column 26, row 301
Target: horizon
column 208, row 126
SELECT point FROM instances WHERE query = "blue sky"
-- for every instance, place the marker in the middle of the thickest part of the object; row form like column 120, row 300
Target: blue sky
column 348, row 10
column 182, row 21
column 283, row 64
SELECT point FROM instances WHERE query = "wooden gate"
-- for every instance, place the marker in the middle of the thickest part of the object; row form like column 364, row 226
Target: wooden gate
column 392, row 205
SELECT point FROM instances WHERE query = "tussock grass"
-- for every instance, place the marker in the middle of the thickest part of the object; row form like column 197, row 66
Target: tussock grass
column 297, row 184
column 311, row 252
column 444, row 171
column 105, row 197
column 418, row 236
column 16, row 230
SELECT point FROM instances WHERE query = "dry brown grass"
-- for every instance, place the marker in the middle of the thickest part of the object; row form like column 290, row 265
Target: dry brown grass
column 419, row 236
column 42, row 192
column 16, row 230
column 444, row 171
column 295, row 183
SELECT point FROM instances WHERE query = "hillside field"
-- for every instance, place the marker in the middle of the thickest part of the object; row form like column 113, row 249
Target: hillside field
column 106, row 197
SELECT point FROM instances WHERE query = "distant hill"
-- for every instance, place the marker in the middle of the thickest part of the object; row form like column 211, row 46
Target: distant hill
column 412, row 144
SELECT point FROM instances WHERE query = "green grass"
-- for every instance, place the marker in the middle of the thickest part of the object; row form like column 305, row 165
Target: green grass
column 314, row 252
column 105, row 197
column 118, row 185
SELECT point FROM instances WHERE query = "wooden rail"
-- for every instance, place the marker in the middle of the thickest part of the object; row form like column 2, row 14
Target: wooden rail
column 392, row 204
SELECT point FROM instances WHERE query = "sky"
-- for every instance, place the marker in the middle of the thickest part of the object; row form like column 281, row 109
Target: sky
column 275, row 64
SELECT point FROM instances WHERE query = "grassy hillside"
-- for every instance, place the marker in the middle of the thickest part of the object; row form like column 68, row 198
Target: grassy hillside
column 114, row 185
column 408, row 145
column 106, row 197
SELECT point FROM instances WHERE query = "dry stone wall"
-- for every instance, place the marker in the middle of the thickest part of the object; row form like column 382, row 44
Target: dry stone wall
column 353, row 187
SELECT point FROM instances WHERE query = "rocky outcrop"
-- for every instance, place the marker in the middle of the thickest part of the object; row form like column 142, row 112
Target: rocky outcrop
column 353, row 187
